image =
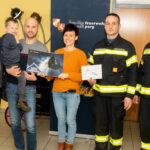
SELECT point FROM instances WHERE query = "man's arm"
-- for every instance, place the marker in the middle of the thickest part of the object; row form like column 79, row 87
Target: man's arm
column 136, row 98
column 132, row 68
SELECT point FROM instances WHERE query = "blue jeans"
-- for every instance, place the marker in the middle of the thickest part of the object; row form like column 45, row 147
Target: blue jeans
column 29, row 117
column 66, row 105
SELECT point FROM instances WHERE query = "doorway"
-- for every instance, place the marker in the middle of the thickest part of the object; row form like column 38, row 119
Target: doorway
column 135, row 28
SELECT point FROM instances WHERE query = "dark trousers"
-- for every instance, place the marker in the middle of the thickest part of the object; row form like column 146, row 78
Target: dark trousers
column 21, row 82
column 109, row 113
column 144, row 119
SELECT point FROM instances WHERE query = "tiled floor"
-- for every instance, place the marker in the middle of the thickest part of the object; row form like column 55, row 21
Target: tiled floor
column 49, row 142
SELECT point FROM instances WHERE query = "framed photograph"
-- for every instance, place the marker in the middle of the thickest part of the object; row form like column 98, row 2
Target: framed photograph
column 51, row 64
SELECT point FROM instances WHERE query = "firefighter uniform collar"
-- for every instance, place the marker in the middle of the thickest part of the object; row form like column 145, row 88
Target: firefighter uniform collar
column 114, row 42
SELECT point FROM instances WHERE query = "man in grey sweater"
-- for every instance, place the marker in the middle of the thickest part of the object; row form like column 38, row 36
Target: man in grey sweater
column 30, row 42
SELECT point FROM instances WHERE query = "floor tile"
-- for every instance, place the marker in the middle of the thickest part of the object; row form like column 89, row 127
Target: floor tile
column 7, row 148
column 135, row 135
column 52, row 145
column 45, row 141
column 127, row 139
column 81, row 144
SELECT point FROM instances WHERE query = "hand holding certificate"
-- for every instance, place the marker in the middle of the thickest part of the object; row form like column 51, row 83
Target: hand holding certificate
column 91, row 71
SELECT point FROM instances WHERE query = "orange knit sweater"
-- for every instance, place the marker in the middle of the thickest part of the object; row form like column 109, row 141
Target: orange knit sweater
column 73, row 60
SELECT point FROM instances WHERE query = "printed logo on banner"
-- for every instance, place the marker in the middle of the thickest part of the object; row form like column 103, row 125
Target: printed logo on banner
column 80, row 24
column 56, row 23
column 91, row 25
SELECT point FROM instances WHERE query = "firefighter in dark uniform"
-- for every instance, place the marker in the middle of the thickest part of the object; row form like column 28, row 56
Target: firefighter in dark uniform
column 143, row 92
column 114, row 92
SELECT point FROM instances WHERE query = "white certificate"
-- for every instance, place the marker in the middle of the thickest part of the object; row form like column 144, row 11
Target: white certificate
column 91, row 71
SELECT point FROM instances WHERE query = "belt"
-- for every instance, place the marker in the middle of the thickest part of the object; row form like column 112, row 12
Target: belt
column 70, row 91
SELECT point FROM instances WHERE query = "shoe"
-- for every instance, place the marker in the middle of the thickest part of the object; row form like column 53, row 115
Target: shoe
column 18, row 105
column 23, row 105
column 61, row 145
column 68, row 146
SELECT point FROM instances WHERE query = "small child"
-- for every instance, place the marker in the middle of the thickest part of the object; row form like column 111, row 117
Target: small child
column 11, row 57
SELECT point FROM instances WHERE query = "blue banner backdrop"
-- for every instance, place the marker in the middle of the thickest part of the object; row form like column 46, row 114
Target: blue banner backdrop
column 88, row 16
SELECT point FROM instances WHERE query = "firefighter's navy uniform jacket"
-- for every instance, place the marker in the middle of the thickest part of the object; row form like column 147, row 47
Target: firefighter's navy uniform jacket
column 143, row 89
column 119, row 78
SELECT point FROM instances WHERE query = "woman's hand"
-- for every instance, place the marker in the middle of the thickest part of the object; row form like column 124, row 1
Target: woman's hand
column 30, row 77
column 63, row 76
column 41, row 74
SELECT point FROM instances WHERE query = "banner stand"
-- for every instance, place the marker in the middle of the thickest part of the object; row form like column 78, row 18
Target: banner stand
column 84, row 136
column 89, row 17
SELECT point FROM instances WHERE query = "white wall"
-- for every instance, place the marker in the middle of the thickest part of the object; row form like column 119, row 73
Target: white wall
column 133, row 1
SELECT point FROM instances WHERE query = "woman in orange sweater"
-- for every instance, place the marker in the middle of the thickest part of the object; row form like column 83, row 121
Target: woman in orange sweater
column 66, row 87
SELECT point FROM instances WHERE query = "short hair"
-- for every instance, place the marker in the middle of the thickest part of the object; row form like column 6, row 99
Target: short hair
column 71, row 27
column 115, row 15
column 10, row 19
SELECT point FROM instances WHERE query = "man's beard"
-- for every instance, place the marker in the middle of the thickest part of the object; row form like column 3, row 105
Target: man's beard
column 30, row 37
column 113, row 34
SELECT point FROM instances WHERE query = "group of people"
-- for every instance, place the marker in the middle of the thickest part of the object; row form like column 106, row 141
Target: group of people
column 121, row 85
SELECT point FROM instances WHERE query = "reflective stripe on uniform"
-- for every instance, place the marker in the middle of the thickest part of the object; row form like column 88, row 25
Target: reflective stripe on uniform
column 147, row 51
column 110, row 89
column 142, row 62
column 101, row 138
column 90, row 59
column 131, row 60
column 116, row 142
column 110, row 51
column 138, row 87
column 145, row 91
column 145, row 146
column 131, row 90
column 114, row 89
